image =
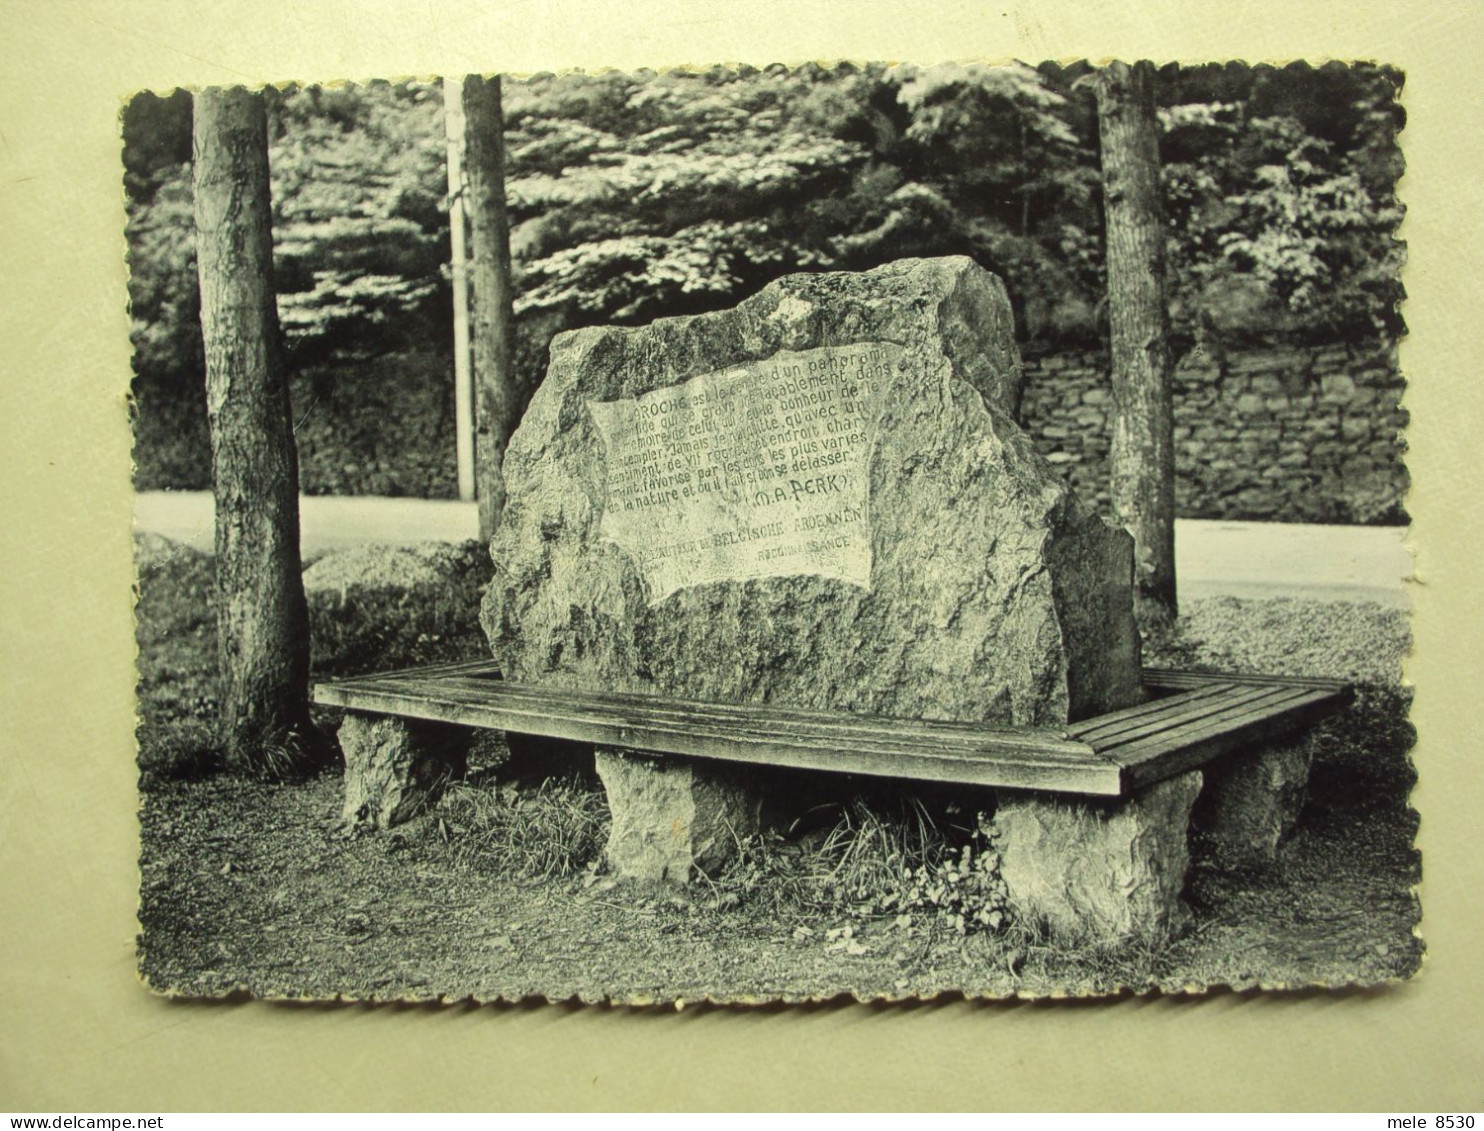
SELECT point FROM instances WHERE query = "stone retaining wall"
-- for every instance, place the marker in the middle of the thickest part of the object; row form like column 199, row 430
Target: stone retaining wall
column 1281, row 434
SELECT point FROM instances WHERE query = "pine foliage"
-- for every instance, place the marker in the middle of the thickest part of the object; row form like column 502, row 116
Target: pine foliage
column 642, row 194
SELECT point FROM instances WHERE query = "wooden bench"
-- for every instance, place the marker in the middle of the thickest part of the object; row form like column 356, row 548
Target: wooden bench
column 1191, row 718
column 1092, row 795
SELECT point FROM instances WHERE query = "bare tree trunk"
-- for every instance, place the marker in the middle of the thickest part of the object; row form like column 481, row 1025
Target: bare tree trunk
column 262, row 622
column 463, row 382
column 1143, row 443
column 496, row 400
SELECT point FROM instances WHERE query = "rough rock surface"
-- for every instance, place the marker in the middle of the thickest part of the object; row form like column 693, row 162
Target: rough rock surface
column 672, row 816
column 1102, row 871
column 988, row 593
column 395, row 768
column 1251, row 803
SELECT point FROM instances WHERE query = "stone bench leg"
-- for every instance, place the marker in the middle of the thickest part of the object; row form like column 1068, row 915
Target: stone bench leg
column 672, row 816
column 395, row 768
column 1098, row 871
column 1251, row 802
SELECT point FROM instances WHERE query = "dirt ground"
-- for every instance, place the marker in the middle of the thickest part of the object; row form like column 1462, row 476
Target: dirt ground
column 250, row 888
column 247, row 887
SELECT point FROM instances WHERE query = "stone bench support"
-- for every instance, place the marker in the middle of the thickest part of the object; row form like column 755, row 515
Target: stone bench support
column 395, row 768
column 1251, row 803
column 1098, row 871
column 673, row 816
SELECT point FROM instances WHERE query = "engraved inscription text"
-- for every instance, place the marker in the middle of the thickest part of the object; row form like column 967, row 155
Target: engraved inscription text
column 755, row 471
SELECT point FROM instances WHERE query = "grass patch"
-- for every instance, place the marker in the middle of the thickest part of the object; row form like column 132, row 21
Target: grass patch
column 865, row 859
column 184, row 751
column 175, row 630
column 554, row 829
column 878, row 859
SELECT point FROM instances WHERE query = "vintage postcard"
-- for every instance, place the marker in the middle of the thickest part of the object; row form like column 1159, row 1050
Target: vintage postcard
column 755, row 535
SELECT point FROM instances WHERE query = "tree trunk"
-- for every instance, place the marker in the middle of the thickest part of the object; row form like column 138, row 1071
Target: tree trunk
column 463, row 382
column 496, row 400
column 1143, row 443
column 262, row 621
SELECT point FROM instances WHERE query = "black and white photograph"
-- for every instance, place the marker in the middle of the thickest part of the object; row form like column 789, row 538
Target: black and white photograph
column 773, row 534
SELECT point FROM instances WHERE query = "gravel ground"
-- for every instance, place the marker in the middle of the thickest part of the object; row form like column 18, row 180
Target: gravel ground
column 1360, row 641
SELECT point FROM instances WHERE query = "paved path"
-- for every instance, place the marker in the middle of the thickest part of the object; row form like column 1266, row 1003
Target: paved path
column 1212, row 558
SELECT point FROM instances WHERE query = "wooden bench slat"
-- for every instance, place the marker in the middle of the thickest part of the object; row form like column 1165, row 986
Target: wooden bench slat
column 1123, row 749
column 846, row 725
column 989, row 760
column 1088, row 729
column 1187, row 748
column 763, row 714
column 471, row 668
column 1184, row 715
column 1170, row 678
column 637, row 709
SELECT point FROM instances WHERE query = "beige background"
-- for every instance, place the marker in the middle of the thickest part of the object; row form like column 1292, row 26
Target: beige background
column 77, row 1033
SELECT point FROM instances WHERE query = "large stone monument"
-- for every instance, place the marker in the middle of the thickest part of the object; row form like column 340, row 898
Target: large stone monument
column 819, row 498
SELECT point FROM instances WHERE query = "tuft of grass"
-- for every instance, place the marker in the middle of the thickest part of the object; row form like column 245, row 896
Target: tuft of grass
column 868, row 850
column 897, row 860
column 287, row 755
column 552, row 830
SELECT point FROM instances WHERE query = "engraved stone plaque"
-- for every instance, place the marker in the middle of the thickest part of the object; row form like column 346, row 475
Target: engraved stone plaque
column 755, row 471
